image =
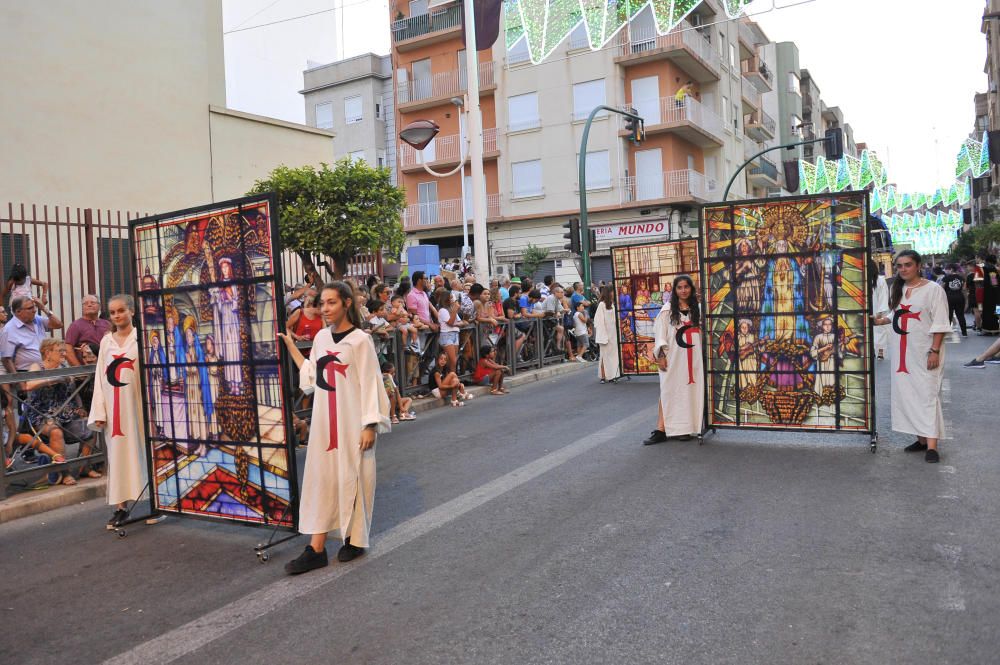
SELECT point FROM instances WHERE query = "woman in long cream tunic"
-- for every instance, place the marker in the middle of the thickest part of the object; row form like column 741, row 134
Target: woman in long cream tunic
column 350, row 408
column 117, row 402
column 919, row 321
column 606, row 335
column 678, row 352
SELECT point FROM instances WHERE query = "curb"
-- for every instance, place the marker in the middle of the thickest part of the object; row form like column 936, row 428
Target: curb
column 34, row 502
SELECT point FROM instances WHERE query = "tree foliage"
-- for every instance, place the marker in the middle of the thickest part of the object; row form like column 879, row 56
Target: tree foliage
column 978, row 239
column 532, row 257
column 342, row 211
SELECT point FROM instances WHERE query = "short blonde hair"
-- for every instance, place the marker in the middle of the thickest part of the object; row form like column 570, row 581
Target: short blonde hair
column 48, row 343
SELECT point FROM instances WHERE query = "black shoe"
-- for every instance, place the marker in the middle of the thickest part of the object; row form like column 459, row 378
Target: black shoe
column 916, row 447
column 117, row 519
column 932, row 457
column 310, row 559
column 656, row 436
column 349, row 552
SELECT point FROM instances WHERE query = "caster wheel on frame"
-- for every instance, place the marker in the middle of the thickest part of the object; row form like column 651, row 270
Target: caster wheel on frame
column 122, row 533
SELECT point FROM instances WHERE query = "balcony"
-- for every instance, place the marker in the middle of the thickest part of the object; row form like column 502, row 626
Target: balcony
column 423, row 93
column 760, row 126
column 750, row 95
column 691, row 121
column 748, row 39
column 423, row 29
column 764, row 173
column 684, row 46
column 751, row 148
column 444, row 214
column 756, row 71
column 446, row 153
column 684, row 186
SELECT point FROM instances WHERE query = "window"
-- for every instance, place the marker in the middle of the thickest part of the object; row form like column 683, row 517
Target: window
column 796, row 122
column 14, row 248
column 586, row 96
column 578, row 38
column 736, row 116
column 418, row 7
column 722, row 44
column 380, row 158
column 114, row 266
column 522, row 111
column 357, row 156
column 324, row 115
column 793, row 83
column 527, row 178
column 518, row 52
column 352, row 109
column 598, row 170
column 725, row 110
column 378, row 107
column 732, row 56
column 427, row 208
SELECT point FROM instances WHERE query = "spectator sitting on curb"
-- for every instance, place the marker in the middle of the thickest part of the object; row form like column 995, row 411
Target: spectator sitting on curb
column 89, row 329
column 399, row 406
column 489, row 372
column 445, row 384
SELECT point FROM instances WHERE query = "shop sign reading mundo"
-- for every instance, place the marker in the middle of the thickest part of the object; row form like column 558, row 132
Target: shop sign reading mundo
column 625, row 231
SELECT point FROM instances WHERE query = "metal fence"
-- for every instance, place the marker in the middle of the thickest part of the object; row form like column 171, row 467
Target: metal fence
column 32, row 458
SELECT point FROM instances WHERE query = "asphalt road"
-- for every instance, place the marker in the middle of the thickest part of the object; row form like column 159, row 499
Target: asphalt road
column 534, row 529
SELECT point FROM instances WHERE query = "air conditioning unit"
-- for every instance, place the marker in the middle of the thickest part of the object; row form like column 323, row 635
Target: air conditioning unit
column 503, row 270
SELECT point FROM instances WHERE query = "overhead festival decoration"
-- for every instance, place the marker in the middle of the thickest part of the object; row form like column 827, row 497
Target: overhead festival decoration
column 544, row 24
column 217, row 410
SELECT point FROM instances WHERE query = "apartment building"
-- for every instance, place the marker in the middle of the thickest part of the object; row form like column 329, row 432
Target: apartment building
column 534, row 116
column 764, row 175
column 986, row 190
column 354, row 99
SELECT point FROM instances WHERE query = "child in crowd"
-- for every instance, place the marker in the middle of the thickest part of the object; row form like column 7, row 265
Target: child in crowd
column 445, row 384
column 378, row 326
column 399, row 406
column 489, row 372
column 402, row 320
column 19, row 283
column 580, row 329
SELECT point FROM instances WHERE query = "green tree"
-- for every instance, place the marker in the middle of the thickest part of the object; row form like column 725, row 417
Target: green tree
column 532, row 257
column 342, row 211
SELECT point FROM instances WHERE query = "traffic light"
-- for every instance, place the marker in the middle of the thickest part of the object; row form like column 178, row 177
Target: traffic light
column 833, row 143
column 635, row 127
column 572, row 234
column 591, row 240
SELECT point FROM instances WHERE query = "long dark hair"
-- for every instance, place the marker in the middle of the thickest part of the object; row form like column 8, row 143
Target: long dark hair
column 608, row 296
column 346, row 295
column 675, row 302
column 896, row 290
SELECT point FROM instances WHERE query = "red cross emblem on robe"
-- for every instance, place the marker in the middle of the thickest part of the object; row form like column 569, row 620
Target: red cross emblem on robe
column 113, row 374
column 900, row 321
column 327, row 368
column 685, row 339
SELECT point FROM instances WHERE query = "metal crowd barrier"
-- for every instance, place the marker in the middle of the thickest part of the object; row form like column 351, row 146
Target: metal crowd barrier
column 31, row 475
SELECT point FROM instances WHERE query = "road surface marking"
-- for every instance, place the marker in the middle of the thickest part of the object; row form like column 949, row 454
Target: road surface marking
column 952, row 597
column 195, row 634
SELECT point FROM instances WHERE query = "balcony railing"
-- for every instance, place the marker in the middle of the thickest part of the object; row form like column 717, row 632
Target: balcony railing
column 447, row 150
column 760, row 126
column 682, row 185
column 764, row 168
column 444, row 213
column 422, row 24
column 690, row 111
column 750, row 93
column 442, row 84
column 637, row 40
column 756, row 71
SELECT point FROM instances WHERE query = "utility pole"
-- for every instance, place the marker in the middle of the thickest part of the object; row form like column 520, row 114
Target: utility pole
column 480, row 249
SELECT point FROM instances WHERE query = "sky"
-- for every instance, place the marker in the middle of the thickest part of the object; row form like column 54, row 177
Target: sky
column 904, row 72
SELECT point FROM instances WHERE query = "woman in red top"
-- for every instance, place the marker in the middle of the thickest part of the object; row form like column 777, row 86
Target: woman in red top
column 305, row 322
column 489, row 372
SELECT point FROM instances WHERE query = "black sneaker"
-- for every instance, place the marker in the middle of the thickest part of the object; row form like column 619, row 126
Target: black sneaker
column 349, row 552
column 975, row 364
column 916, row 447
column 310, row 559
column 992, row 361
column 656, row 436
column 117, row 519
column 932, row 457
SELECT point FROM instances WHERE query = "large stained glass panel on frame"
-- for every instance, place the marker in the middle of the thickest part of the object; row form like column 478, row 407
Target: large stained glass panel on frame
column 787, row 314
column 216, row 410
column 643, row 280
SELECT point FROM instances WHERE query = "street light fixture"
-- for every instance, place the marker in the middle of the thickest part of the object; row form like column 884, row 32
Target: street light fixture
column 419, row 133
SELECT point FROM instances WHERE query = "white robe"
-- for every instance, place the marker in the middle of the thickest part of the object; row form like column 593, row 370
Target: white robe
column 126, row 453
column 606, row 336
column 916, row 392
column 682, row 402
column 825, row 369
column 880, row 306
column 338, row 486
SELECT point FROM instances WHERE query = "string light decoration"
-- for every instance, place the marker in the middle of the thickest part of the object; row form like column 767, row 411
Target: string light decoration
column 544, row 24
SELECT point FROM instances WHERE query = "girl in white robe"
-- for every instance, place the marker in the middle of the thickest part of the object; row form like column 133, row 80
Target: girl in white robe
column 918, row 324
column 606, row 335
column 349, row 409
column 117, row 409
column 678, row 352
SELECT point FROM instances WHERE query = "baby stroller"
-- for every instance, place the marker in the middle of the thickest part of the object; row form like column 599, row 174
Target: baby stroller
column 593, row 352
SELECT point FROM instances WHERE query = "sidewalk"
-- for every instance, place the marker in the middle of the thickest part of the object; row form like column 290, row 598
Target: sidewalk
column 34, row 502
